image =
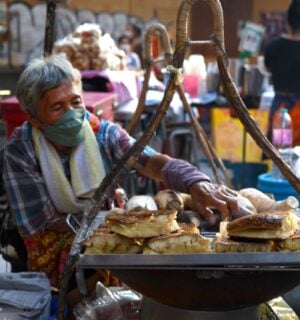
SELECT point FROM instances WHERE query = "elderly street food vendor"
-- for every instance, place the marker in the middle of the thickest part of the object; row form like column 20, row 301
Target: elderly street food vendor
column 54, row 162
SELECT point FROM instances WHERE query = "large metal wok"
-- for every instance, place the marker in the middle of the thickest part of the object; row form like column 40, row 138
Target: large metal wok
column 206, row 282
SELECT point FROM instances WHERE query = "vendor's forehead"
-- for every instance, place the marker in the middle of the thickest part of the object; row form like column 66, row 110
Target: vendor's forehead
column 63, row 89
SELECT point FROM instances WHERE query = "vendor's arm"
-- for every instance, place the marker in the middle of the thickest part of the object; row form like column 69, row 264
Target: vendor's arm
column 182, row 176
column 176, row 174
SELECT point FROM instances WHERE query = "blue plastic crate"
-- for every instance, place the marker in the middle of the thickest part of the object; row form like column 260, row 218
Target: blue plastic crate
column 281, row 189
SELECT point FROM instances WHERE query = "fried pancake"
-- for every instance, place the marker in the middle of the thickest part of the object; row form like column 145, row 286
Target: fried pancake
column 265, row 225
column 185, row 240
column 292, row 243
column 225, row 244
column 143, row 224
column 103, row 241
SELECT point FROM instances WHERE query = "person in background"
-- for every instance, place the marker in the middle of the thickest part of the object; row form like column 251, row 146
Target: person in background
column 133, row 61
column 134, row 32
column 54, row 162
column 282, row 59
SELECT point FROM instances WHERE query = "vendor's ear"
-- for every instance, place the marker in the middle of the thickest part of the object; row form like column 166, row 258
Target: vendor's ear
column 34, row 121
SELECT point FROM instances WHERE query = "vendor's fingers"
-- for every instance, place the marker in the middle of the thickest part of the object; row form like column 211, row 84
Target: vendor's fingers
column 208, row 215
column 222, row 207
column 229, row 192
column 225, row 203
column 221, row 190
column 205, row 208
column 217, row 197
column 233, row 206
column 205, row 212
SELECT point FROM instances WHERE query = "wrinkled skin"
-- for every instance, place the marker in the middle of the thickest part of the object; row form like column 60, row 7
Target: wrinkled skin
column 209, row 198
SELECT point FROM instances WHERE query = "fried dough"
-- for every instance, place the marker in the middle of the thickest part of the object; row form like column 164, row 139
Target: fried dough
column 143, row 224
column 265, row 225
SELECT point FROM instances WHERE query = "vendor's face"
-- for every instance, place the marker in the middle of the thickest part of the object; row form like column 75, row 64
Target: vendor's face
column 57, row 101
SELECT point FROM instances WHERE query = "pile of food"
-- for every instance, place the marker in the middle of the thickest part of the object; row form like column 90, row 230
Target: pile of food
column 148, row 231
column 151, row 226
column 88, row 49
column 274, row 226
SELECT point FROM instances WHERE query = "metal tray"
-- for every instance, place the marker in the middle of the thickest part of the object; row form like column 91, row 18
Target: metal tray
column 236, row 261
column 204, row 282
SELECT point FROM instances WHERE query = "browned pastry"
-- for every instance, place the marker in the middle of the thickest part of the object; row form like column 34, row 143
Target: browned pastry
column 188, row 228
column 143, row 224
column 225, row 244
column 265, row 225
column 104, row 241
column 292, row 243
column 185, row 240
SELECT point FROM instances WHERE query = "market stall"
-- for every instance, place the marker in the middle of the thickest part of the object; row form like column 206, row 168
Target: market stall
column 203, row 281
column 191, row 273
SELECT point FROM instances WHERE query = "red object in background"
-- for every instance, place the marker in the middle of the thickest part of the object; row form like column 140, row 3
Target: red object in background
column 155, row 53
column 191, row 85
column 99, row 103
column 155, row 46
column 11, row 114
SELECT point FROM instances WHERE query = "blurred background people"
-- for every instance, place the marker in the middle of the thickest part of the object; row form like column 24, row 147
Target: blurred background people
column 132, row 59
column 134, row 32
column 282, row 59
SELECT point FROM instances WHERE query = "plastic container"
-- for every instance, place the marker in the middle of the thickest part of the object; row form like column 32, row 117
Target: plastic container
column 282, row 134
column 282, row 139
column 280, row 189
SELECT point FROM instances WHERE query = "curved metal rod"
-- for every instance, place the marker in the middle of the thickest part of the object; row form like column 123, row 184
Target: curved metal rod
column 129, row 160
column 229, row 86
column 205, row 143
column 182, row 40
column 149, row 61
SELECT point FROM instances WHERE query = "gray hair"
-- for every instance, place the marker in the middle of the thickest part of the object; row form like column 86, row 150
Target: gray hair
column 42, row 75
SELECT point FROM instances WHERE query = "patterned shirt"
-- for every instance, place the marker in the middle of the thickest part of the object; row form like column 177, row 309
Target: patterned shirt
column 26, row 190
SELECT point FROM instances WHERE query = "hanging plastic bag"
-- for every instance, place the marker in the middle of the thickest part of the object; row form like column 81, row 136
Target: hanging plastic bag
column 114, row 303
column 104, row 306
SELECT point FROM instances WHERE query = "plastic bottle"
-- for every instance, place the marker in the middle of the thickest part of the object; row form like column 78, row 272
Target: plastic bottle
column 282, row 139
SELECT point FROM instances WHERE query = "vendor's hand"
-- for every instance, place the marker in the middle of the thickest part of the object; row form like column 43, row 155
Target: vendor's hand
column 207, row 196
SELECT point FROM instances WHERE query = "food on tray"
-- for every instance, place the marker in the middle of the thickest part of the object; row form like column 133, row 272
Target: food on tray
column 290, row 244
column 245, row 205
column 185, row 240
column 169, row 199
column 225, row 244
column 263, row 203
column 140, row 203
column 266, row 225
column 144, row 229
column 104, row 241
column 143, row 224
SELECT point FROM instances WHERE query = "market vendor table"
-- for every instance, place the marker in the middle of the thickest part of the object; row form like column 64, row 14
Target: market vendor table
column 99, row 103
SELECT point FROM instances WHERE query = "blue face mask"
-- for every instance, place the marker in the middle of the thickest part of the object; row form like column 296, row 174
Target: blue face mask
column 68, row 130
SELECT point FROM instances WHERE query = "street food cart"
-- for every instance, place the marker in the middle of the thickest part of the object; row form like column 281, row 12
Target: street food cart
column 199, row 282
